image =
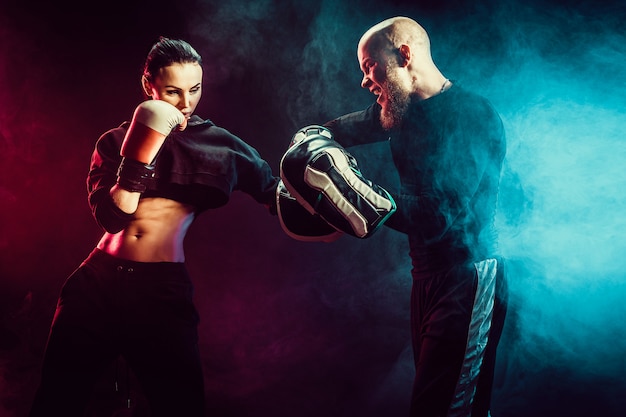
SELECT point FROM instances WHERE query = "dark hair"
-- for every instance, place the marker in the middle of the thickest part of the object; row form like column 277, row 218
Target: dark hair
column 167, row 52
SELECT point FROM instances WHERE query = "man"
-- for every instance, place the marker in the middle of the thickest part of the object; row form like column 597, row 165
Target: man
column 447, row 146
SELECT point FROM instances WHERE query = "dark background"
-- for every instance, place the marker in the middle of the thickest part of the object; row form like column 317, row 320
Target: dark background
column 309, row 329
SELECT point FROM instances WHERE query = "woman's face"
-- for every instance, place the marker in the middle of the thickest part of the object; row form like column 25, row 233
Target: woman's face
column 178, row 84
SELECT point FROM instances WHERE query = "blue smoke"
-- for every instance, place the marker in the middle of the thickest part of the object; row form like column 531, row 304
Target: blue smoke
column 556, row 75
column 304, row 329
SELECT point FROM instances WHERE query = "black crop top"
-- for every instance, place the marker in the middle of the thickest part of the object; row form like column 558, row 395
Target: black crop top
column 200, row 166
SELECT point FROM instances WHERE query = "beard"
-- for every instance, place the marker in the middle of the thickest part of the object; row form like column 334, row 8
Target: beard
column 398, row 101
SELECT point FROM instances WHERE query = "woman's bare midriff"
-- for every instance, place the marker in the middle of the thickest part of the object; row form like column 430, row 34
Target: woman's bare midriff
column 155, row 235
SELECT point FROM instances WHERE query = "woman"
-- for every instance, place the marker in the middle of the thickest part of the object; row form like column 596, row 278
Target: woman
column 132, row 296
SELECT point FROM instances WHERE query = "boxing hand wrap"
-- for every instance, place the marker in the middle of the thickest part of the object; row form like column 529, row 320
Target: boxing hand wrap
column 298, row 223
column 133, row 175
column 152, row 121
column 324, row 178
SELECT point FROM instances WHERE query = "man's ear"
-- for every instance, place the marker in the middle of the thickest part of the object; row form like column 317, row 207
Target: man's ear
column 147, row 87
column 405, row 55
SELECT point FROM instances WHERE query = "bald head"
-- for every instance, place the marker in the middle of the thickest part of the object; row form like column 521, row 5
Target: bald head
column 390, row 34
column 398, row 50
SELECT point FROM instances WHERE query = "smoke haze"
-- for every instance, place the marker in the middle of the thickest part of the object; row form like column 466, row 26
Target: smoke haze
column 297, row 329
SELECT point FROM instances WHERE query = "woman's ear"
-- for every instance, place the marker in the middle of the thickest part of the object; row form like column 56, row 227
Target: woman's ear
column 147, row 87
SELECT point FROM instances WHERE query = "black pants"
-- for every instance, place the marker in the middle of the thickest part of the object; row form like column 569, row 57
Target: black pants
column 142, row 311
column 455, row 338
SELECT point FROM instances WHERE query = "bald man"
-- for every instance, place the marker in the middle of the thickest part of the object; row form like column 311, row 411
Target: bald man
column 448, row 145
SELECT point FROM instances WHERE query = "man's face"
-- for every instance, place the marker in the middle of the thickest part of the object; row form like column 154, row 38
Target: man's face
column 381, row 76
column 178, row 84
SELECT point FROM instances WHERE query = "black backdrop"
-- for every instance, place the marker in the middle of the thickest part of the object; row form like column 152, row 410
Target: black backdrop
column 291, row 328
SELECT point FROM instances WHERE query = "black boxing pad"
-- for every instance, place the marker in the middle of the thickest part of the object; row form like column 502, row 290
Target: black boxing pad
column 324, row 178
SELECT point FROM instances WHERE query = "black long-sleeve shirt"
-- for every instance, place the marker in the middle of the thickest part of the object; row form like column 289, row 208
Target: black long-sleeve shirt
column 200, row 166
column 448, row 154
